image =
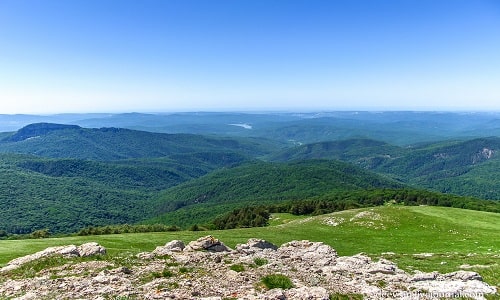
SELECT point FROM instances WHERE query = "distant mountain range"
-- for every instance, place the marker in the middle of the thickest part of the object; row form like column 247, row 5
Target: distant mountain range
column 71, row 141
column 397, row 128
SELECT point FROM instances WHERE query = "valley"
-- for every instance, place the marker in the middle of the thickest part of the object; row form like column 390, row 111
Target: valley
column 418, row 189
column 64, row 177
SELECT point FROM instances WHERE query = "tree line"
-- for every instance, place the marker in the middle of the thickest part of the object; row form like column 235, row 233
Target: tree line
column 258, row 216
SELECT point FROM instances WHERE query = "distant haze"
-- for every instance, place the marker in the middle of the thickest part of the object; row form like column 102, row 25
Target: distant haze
column 223, row 55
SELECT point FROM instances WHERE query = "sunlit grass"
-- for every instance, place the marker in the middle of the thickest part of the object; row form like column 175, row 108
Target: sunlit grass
column 455, row 237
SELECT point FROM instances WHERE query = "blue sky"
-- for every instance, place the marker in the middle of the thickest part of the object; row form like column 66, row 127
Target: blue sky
column 153, row 56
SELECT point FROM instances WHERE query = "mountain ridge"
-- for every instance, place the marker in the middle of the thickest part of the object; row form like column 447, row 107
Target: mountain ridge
column 106, row 175
column 438, row 166
column 71, row 141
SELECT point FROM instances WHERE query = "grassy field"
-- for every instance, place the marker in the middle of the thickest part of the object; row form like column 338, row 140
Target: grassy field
column 454, row 237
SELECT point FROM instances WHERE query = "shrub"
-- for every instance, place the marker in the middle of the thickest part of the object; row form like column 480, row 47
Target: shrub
column 166, row 273
column 195, row 227
column 275, row 281
column 259, row 261
column 40, row 234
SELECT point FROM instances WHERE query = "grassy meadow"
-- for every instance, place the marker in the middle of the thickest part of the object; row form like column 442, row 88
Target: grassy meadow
column 455, row 237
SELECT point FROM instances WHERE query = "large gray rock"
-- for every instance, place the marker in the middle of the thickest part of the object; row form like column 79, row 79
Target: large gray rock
column 382, row 266
column 453, row 288
column 463, row 275
column 255, row 245
column 87, row 249
column 314, row 253
column 90, row 249
column 421, row 276
column 208, row 243
column 169, row 248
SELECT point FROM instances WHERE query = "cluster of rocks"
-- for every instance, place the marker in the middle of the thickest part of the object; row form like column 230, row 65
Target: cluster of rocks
column 208, row 269
column 84, row 250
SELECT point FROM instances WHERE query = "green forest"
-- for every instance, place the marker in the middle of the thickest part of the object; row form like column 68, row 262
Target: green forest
column 67, row 178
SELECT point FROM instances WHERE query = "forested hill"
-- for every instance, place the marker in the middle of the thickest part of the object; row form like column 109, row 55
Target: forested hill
column 64, row 141
column 356, row 151
column 65, row 195
column 37, row 130
column 65, row 177
column 264, row 182
column 467, row 167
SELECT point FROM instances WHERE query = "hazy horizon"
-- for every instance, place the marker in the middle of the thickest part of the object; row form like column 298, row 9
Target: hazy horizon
column 192, row 55
column 263, row 111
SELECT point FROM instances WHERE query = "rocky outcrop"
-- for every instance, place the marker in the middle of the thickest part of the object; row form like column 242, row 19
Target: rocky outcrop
column 90, row 249
column 208, row 243
column 207, row 269
column 172, row 246
column 255, row 245
column 83, row 250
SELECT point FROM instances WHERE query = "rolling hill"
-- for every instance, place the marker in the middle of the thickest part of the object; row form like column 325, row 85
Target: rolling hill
column 65, row 177
column 464, row 167
column 461, row 167
column 202, row 199
column 71, row 141
column 65, row 195
column 363, row 152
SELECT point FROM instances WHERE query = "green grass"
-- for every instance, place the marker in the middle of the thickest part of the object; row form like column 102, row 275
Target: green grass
column 237, row 268
column 259, row 261
column 338, row 296
column 455, row 236
column 277, row 281
column 166, row 273
column 281, row 218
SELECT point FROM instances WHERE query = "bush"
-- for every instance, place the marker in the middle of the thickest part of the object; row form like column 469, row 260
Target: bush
column 195, row 227
column 275, row 281
column 166, row 273
column 40, row 234
column 259, row 261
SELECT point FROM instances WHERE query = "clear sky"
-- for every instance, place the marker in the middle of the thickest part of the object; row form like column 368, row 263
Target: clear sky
column 213, row 55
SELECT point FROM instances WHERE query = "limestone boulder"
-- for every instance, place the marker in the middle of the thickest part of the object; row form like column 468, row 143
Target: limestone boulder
column 90, row 249
column 207, row 243
column 255, row 246
column 169, row 248
column 87, row 249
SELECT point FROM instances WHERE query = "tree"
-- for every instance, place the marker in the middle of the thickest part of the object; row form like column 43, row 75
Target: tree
column 40, row 234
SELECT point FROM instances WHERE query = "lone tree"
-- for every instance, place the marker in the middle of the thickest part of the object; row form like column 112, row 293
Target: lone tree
column 40, row 234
